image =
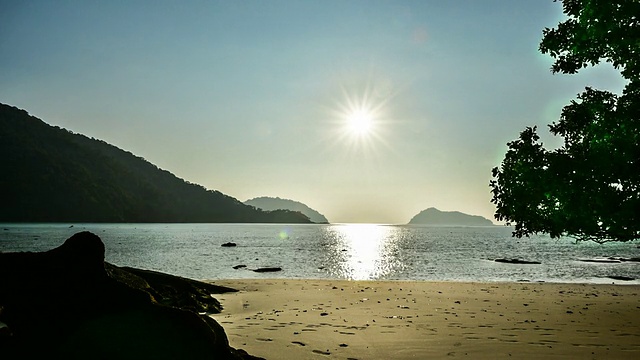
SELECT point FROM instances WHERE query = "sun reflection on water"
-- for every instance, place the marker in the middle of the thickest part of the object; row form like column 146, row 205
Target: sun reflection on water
column 364, row 251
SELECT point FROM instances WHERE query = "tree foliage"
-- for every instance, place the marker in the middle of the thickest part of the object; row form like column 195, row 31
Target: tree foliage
column 589, row 188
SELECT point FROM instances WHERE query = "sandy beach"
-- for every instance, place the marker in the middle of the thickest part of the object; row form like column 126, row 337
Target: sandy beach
column 316, row 319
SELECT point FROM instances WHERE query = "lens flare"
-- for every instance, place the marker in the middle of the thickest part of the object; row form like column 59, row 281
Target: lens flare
column 284, row 234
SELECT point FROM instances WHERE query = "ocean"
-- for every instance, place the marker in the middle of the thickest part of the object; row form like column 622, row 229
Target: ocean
column 340, row 251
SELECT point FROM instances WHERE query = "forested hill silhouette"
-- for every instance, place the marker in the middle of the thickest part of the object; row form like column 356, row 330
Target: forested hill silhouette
column 271, row 203
column 433, row 216
column 49, row 174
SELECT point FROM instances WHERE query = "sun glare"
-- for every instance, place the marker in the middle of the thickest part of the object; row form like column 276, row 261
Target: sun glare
column 367, row 251
column 360, row 122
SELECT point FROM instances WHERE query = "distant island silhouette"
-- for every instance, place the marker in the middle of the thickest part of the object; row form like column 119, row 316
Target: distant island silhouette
column 276, row 203
column 50, row 174
column 433, row 216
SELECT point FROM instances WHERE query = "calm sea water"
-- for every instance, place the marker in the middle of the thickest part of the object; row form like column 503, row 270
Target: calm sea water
column 341, row 251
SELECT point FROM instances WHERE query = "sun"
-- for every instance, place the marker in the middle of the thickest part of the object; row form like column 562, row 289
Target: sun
column 360, row 119
column 360, row 122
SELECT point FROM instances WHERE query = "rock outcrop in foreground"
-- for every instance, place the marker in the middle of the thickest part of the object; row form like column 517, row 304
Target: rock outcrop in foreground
column 67, row 303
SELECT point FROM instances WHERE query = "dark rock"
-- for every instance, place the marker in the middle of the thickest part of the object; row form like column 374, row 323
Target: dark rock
column 517, row 261
column 621, row 278
column 239, row 267
column 4, row 330
column 601, row 261
column 174, row 290
column 268, row 269
column 67, row 303
column 229, row 244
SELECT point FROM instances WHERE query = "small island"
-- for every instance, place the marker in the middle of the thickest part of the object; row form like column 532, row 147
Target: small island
column 433, row 216
column 267, row 203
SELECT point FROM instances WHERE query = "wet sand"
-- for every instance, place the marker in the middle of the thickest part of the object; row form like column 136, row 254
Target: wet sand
column 330, row 319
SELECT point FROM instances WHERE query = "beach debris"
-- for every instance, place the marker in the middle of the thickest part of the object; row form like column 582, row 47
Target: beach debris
column 229, row 244
column 343, row 345
column 299, row 343
column 322, row 352
column 517, row 261
column 239, row 267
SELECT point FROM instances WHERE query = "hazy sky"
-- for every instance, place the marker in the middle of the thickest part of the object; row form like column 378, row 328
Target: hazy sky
column 251, row 98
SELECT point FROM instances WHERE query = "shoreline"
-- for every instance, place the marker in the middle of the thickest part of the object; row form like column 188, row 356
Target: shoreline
column 345, row 319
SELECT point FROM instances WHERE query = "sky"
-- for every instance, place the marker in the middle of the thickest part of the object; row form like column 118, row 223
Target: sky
column 259, row 98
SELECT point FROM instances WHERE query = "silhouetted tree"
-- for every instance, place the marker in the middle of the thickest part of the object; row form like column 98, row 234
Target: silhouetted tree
column 589, row 188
